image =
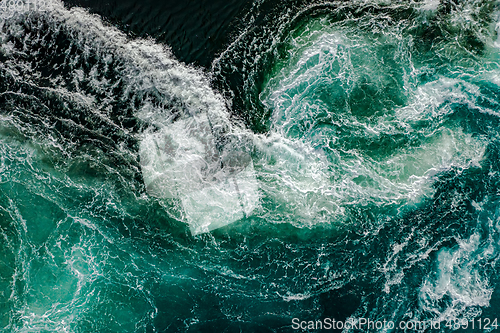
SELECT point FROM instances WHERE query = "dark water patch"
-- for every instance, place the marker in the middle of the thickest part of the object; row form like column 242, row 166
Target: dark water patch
column 196, row 31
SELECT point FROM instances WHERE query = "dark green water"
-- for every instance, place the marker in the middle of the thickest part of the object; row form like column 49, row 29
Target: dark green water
column 374, row 141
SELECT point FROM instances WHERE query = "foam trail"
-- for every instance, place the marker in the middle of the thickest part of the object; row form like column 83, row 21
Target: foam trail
column 163, row 90
column 189, row 145
column 195, row 154
column 459, row 286
column 325, row 96
column 359, row 126
column 182, row 160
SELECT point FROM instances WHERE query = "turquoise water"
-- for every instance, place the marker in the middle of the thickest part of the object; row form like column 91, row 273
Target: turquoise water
column 372, row 129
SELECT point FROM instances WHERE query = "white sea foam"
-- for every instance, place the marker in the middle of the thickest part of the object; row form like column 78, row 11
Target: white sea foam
column 313, row 86
column 146, row 69
column 297, row 169
column 309, row 177
column 150, row 70
column 460, row 285
column 430, row 4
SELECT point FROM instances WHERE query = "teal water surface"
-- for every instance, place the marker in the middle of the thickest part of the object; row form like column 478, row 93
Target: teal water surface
column 374, row 134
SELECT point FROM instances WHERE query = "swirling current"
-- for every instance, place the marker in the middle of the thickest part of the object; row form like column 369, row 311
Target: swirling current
column 249, row 166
